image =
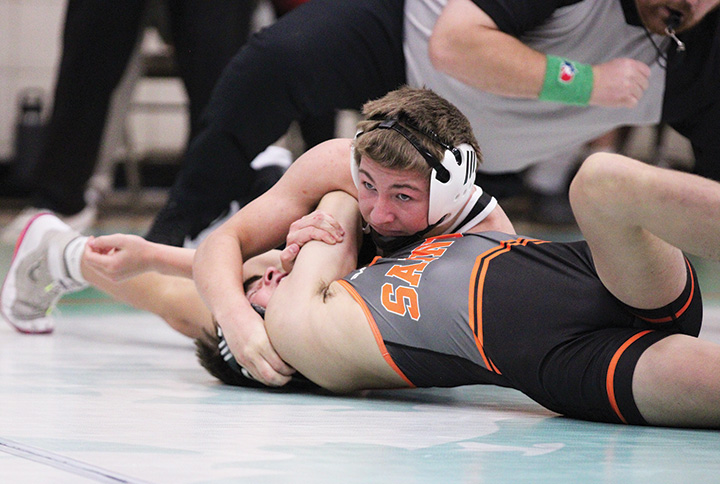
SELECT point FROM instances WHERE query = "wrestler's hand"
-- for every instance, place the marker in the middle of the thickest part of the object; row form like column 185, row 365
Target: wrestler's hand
column 249, row 343
column 317, row 225
column 619, row 83
column 119, row 256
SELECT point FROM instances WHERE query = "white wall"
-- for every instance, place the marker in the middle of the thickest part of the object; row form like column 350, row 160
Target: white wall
column 30, row 43
column 29, row 50
column 30, row 40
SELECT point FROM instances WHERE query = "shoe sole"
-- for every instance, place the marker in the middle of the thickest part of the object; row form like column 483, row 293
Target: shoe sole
column 47, row 324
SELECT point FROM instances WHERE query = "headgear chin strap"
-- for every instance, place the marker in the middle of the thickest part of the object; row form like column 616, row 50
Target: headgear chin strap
column 452, row 178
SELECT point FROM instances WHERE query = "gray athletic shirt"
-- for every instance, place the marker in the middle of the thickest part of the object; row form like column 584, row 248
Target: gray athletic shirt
column 432, row 315
column 515, row 133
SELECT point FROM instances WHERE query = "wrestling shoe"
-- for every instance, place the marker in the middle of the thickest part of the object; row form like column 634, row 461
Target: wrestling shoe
column 37, row 278
column 81, row 222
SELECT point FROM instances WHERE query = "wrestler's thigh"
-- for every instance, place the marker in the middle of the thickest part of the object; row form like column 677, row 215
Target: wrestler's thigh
column 676, row 382
column 588, row 377
column 616, row 217
column 638, row 268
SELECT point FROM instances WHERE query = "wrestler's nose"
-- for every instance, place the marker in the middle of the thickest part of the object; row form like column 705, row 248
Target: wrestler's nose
column 381, row 213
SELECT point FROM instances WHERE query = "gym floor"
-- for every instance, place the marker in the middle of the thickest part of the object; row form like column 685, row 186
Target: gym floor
column 114, row 395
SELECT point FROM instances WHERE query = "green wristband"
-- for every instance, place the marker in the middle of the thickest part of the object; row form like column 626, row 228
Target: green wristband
column 567, row 82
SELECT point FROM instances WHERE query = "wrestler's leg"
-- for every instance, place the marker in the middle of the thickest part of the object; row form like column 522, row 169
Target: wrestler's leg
column 676, row 382
column 638, row 218
column 174, row 299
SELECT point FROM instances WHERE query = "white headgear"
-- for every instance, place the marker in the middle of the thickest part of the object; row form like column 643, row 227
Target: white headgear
column 452, row 179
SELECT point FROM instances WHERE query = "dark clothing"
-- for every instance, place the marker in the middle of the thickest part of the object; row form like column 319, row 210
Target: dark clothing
column 692, row 93
column 98, row 40
column 322, row 56
column 334, row 54
column 528, row 314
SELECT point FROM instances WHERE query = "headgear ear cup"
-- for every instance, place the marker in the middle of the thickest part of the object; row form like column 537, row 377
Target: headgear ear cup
column 449, row 197
column 452, row 179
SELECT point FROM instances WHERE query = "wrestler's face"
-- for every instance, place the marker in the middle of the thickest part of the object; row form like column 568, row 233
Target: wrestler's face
column 393, row 202
column 654, row 13
column 261, row 277
column 260, row 290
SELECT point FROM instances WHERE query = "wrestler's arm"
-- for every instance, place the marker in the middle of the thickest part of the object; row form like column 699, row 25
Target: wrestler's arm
column 259, row 226
column 118, row 257
column 468, row 45
column 316, row 325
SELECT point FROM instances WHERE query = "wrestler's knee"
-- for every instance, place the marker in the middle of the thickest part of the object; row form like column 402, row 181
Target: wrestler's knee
column 601, row 181
column 675, row 382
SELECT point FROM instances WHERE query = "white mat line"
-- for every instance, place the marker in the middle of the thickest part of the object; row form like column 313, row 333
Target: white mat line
column 65, row 463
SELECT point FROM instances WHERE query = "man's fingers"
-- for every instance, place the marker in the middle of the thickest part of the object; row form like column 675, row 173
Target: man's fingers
column 257, row 355
column 288, row 256
column 271, row 371
column 620, row 83
column 102, row 244
column 319, row 218
column 305, row 235
column 322, row 222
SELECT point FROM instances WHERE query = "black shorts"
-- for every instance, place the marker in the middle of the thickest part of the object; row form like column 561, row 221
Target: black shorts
column 538, row 319
column 579, row 364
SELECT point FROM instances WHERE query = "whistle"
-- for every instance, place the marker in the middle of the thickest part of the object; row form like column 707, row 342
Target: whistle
column 672, row 23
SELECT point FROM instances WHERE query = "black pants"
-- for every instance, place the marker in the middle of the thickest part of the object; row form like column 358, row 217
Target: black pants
column 691, row 104
column 98, row 40
column 322, row 56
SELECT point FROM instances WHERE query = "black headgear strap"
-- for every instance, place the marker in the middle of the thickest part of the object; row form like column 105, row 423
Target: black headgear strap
column 393, row 123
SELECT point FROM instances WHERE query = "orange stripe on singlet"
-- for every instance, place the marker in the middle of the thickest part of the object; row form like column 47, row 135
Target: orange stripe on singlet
column 475, row 293
column 477, row 282
column 376, row 332
column 680, row 311
column 610, row 381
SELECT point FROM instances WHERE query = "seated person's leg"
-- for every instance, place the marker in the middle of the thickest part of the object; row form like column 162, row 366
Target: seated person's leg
column 322, row 56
